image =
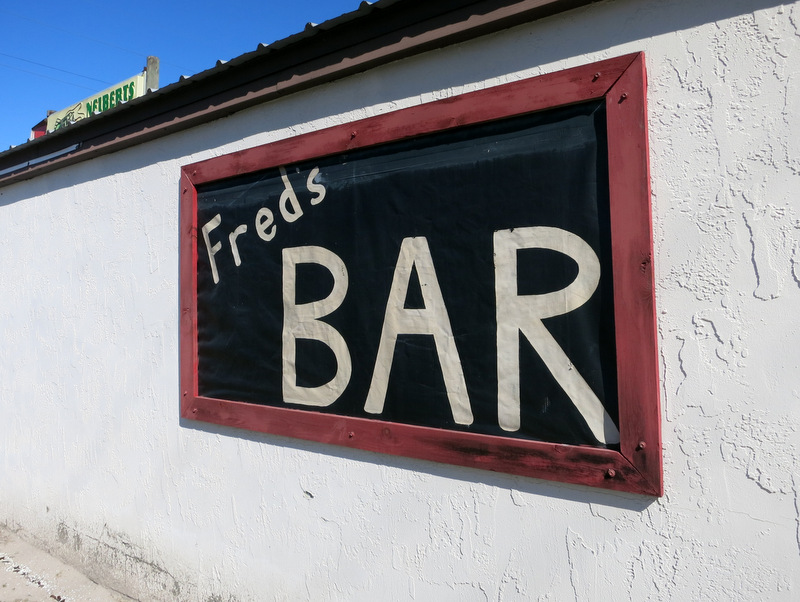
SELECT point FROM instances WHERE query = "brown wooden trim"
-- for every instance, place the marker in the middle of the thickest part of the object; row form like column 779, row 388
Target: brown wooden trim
column 559, row 88
column 188, row 283
column 565, row 463
column 634, row 291
column 384, row 32
column 635, row 468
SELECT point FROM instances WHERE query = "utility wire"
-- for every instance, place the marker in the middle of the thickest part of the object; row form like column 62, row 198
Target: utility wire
column 47, row 77
column 61, row 29
column 19, row 58
column 78, row 35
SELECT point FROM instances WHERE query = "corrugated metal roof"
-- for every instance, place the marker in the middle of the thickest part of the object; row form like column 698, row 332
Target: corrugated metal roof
column 261, row 50
column 310, row 30
column 373, row 34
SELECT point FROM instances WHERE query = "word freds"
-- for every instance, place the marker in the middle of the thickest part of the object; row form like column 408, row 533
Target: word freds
column 264, row 224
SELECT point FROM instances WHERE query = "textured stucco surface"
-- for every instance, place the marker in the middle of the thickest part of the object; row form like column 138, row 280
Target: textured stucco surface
column 97, row 468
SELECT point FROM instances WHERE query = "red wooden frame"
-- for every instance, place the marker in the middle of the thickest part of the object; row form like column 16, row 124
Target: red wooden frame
column 637, row 467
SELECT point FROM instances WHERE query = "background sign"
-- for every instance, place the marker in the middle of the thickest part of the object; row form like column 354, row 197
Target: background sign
column 102, row 101
column 454, row 293
column 118, row 94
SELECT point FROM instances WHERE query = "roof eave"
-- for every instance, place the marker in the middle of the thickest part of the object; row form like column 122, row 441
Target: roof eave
column 373, row 35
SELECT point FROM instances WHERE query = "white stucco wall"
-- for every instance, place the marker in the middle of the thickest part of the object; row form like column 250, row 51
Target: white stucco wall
column 95, row 465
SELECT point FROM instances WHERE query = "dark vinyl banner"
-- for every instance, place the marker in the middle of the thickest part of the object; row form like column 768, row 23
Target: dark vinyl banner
column 458, row 280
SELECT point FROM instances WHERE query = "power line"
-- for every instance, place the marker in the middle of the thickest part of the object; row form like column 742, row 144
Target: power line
column 47, row 77
column 19, row 58
column 78, row 35
column 67, row 31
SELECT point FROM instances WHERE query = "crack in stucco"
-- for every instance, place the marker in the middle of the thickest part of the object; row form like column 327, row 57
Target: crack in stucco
column 570, row 537
column 764, row 450
column 773, row 249
column 796, row 491
column 754, row 249
column 796, row 262
column 682, row 362
column 756, row 518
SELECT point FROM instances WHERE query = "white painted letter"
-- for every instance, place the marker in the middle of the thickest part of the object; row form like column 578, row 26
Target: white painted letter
column 288, row 195
column 213, row 223
column 234, row 247
column 431, row 319
column 302, row 322
column 264, row 219
column 314, row 187
column 524, row 314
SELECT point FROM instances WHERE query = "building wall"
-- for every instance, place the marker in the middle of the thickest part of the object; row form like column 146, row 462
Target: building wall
column 98, row 468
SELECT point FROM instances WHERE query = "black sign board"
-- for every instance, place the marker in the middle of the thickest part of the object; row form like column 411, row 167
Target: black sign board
column 458, row 282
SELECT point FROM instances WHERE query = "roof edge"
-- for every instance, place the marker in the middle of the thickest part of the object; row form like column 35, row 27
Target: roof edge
column 373, row 35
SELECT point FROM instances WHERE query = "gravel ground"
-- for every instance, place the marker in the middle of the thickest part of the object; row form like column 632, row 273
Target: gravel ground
column 28, row 574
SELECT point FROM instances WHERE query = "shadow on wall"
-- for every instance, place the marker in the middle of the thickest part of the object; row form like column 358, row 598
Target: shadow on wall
column 562, row 491
column 609, row 24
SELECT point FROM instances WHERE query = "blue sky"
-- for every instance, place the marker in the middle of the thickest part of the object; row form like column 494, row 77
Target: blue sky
column 53, row 54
